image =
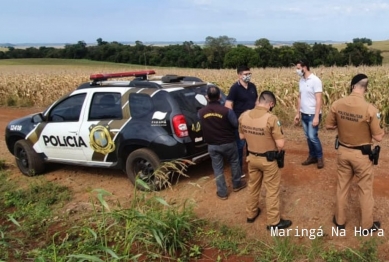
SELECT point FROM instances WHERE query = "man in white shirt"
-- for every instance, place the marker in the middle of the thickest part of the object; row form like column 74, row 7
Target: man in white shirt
column 309, row 111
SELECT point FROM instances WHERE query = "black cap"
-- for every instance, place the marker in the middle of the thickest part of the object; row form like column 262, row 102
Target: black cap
column 358, row 78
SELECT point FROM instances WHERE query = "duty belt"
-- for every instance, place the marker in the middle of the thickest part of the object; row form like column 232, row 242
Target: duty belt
column 257, row 154
column 352, row 147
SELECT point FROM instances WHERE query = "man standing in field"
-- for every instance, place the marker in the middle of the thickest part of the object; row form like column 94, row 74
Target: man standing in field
column 242, row 96
column 218, row 124
column 358, row 123
column 265, row 140
column 309, row 111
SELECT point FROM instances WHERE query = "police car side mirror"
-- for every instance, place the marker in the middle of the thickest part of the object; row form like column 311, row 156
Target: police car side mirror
column 37, row 118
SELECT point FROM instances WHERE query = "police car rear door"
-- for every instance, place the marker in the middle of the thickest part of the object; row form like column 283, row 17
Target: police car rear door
column 59, row 138
column 104, row 118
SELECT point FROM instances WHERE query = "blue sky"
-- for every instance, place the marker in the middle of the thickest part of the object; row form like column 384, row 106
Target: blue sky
column 60, row 21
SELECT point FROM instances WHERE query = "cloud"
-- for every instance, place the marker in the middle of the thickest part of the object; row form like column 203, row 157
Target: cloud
column 284, row 8
column 176, row 20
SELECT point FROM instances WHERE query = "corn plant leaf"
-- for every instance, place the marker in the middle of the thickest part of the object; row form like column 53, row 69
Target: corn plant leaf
column 100, row 196
column 162, row 201
column 109, row 251
column 93, row 233
column 142, row 183
column 12, row 219
column 83, row 257
column 157, row 237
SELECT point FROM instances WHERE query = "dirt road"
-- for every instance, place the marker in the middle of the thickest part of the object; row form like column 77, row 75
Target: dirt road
column 307, row 194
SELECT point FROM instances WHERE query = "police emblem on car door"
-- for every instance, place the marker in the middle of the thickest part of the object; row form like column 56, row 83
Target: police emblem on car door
column 100, row 139
column 103, row 121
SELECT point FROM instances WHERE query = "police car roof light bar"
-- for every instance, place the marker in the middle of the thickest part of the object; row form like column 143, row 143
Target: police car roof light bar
column 104, row 77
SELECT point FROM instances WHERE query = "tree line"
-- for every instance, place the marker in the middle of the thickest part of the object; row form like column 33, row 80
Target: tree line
column 217, row 52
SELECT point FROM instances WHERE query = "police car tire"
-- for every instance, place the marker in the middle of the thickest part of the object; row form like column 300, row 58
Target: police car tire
column 35, row 163
column 151, row 158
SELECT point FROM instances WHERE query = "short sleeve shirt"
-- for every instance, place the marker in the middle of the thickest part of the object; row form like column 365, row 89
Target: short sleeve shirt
column 260, row 128
column 308, row 88
column 243, row 99
column 356, row 119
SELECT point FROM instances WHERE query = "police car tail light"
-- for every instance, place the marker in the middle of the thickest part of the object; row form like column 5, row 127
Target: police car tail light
column 179, row 125
column 102, row 77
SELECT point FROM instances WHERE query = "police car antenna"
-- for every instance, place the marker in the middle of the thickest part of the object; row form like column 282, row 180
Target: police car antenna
column 104, row 77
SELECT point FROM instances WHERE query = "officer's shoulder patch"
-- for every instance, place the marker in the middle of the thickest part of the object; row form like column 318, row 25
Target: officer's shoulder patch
column 378, row 115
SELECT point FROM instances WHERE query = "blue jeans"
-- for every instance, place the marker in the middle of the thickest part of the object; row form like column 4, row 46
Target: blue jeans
column 311, row 133
column 241, row 143
column 217, row 154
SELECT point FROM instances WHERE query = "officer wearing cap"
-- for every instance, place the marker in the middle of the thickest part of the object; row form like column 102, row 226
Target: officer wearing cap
column 263, row 133
column 357, row 122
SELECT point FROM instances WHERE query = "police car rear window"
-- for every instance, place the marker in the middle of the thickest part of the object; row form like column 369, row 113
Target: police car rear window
column 105, row 105
column 188, row 98
column 140, row 105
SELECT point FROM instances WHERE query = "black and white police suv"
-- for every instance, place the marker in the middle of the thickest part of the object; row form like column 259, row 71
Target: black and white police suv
column 132, row 125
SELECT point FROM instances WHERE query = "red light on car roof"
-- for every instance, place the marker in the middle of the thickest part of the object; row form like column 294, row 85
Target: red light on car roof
column 100, row 77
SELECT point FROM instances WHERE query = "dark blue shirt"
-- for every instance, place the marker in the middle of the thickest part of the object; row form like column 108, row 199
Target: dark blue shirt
column 243, row 99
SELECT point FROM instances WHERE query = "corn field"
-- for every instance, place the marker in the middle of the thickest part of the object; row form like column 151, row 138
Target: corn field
column 36, row 85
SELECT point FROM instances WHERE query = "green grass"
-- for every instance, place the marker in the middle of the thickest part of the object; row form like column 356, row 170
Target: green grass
column 222, row 237
column 32, row 225
column 34, row 228
column 26, row 214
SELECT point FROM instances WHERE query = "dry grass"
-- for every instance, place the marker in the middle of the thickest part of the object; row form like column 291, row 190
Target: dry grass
column 380, row 45
column 40, row 85
column 385, row 55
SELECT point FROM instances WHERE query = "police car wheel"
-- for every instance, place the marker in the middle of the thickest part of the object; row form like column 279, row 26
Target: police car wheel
column 27, row 160
column 141, row 165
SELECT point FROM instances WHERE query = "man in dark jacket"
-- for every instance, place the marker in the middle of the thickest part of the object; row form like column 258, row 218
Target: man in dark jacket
column 218, row 125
